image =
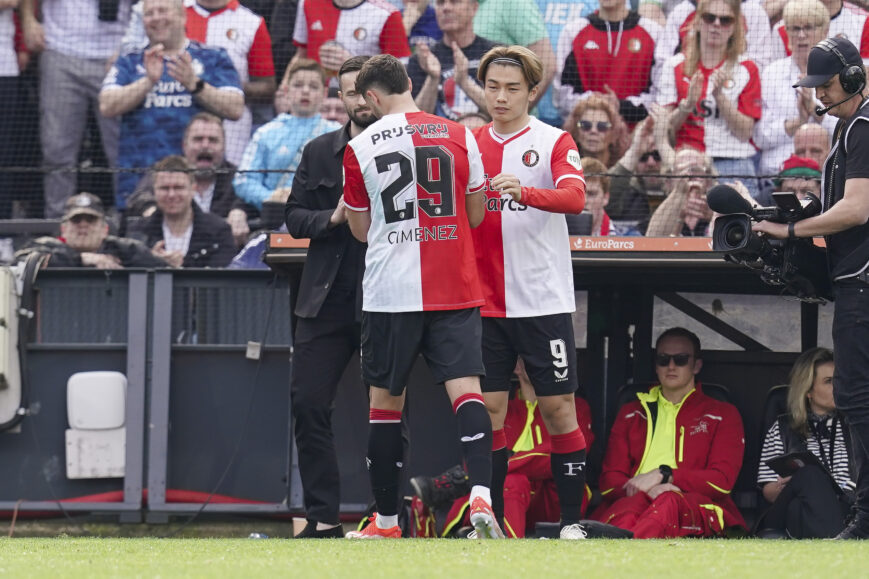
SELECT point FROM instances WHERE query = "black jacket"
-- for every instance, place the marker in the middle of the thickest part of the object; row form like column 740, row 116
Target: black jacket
column 130, row 253
column 317, row 186
column 211, row 244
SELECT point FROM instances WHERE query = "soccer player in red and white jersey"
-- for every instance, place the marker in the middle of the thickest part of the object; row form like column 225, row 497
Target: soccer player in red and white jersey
column 413, row 186
column 523, row 256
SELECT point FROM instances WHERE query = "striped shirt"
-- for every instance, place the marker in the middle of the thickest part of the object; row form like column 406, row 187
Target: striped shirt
column 773, row 446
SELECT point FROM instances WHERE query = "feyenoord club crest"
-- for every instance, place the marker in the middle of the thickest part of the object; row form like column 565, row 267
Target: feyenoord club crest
column 232, row 33
column 634, row 45
column 360, row 34
column 530, row 158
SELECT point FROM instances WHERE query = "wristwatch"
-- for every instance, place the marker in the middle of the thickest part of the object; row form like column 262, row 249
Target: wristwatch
column 667, row 473
column 200, row 84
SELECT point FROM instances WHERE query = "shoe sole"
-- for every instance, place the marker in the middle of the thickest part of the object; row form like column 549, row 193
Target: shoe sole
column 486, row 526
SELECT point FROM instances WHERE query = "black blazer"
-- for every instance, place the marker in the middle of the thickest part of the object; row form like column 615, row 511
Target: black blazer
column 317, row 186
column 211, row 244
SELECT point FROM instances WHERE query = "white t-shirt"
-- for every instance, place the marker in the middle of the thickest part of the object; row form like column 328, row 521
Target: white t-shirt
column 73, row 27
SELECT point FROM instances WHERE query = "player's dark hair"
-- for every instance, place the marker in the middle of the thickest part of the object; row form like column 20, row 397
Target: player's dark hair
column 352, row 64
column 205, row 118
column 173, row 164
column 385, row 72
column 678, row 332
column 519, row 56
column 304, row 64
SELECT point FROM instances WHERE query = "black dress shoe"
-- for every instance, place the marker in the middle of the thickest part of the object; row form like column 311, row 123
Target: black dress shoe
column 856, row 530
column 310, row 532
column 598, row 530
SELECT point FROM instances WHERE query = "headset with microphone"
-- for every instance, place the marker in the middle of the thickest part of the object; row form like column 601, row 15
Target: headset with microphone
column 851, row 77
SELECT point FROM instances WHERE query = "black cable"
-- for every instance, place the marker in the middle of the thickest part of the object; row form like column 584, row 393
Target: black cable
column 247, row 416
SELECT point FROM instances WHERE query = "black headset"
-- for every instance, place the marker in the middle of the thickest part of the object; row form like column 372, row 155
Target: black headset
column 851, row 77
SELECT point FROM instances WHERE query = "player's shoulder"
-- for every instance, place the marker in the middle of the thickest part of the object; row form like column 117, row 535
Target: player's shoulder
column 381, row 5
column 545, row 132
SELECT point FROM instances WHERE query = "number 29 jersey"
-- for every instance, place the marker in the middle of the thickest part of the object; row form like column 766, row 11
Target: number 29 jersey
column 412, row 171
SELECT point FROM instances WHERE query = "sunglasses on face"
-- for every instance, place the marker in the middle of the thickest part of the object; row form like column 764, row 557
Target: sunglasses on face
column 83, row 218
column 601, row 126
column 663, row 360
column 653, row 154
column 710, row 18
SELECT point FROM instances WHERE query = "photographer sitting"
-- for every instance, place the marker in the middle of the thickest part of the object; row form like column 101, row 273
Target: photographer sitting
column 813, row 502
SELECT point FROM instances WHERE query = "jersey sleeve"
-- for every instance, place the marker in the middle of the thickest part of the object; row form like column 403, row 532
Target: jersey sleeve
column 667, row 84
column 221, row 73
column 393, row 38
column 476, row 173
column 750, row 99
column 259, row 58
column 355, row 194
column 565, row 161
column 568, row 196
column 300, row 30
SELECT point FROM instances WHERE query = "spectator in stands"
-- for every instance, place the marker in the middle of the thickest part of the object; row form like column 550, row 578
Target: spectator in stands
column 518, row 22
column 530, row 496
column 179, row 231
column 420, row 23
column 800, row 175
column 812, row 141
column 845, row 22
column 814, row 501
column 77, row 38
column 332, row 107
column 715, row 96
column 156, row 91
column 331, row 31
column 278, row 145
column 9, row 97
column 597, row 196
column 685, row 212
column 598, row 130
column 784, row 109
column 444, row 77
column 245, row 37
column 611, row 52
column 204, row 149
column 85, row 241
column 281, row 24
column 636, row 187
column 681, row 21
column 673, row 454
column 474, row 120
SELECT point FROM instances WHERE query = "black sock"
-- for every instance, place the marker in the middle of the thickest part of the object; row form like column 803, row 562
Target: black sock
column 475, row 433
column 384, row 465
column 568, row 470
column 500, row 458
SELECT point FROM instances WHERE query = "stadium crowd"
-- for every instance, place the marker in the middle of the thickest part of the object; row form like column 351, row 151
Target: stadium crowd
column 201, row 112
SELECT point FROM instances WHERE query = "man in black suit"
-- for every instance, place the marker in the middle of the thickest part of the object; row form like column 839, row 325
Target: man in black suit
column 328, row 305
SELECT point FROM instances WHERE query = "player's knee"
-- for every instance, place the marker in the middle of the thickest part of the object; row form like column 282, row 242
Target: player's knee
column 381, row 399
column 559, row 413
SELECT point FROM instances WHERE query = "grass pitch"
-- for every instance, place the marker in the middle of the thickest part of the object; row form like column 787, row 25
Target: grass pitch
column 444, row 559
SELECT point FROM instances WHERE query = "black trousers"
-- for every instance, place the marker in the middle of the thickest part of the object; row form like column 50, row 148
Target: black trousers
column 321, row 351
column 808, row 507
column 851, row 380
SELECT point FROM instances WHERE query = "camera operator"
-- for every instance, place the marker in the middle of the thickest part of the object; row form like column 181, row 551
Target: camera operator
column 835, row 70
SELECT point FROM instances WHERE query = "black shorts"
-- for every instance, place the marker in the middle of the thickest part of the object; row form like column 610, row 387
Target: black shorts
column 545, row 343
column 449, row 341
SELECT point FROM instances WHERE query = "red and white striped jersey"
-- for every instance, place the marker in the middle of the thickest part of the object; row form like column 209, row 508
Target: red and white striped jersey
column 848, row 24
column 412, row 171
column 372, row 27
column 243, row 35
column 523, row 252
column 705, row 129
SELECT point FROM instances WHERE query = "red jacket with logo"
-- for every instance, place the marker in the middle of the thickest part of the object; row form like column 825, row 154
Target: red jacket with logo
column 710, row 442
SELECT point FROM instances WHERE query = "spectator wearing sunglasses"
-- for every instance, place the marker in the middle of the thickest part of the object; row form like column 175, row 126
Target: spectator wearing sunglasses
column 785, row 110
column 846, row 21
column 714, row 94
column 598, row 130
column 674, row 453
column 85, row 241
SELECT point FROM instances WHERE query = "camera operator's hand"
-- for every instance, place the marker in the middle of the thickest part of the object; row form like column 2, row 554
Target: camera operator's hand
column 770, row 229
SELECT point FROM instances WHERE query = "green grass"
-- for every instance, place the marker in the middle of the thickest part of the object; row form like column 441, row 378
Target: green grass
column 446, row 559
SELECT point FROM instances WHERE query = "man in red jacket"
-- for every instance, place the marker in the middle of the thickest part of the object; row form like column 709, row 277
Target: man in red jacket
column 674, row 454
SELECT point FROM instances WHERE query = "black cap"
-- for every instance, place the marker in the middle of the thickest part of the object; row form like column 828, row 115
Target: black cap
column 83, row 204
column 824, row 63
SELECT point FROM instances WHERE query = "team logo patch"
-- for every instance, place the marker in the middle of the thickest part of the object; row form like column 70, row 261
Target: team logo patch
column 634, row 45
column 573, row 159
column 360, row 34
column 198, row 68
column 530, row 158
column 729, row 83
column 232, row 33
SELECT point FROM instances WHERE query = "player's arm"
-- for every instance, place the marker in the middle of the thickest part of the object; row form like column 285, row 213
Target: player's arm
column 475, row 206
column 475, row 198
column 356, row 199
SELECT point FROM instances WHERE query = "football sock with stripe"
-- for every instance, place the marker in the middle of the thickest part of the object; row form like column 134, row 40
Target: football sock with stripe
column 475, row 434
column 385, row 459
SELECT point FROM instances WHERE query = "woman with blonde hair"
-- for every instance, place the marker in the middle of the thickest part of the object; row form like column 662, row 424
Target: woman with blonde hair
column 598, row 130
column 814, row 501
column 714, row 94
